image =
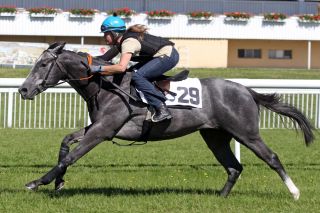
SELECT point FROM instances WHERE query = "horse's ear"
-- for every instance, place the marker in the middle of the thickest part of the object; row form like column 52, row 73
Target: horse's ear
column 57, row 47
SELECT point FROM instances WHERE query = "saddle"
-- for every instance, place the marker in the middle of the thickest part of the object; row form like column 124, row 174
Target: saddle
column 163, row 83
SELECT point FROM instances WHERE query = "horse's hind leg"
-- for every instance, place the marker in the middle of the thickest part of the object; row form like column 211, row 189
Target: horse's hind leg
column 218, row 142
column 257, row 145
column 64, row 151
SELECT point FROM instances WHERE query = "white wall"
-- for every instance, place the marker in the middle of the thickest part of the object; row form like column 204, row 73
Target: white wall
column 178, row 27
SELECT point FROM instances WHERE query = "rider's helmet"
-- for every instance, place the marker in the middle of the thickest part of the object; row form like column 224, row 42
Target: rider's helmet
column 113, row 24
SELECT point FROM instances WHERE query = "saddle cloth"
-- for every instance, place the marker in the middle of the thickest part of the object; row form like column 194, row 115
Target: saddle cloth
column 187, row 92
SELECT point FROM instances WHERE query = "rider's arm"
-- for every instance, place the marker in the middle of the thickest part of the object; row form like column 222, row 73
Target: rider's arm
column 117, row 68
column 129, row 47
column 110, row 54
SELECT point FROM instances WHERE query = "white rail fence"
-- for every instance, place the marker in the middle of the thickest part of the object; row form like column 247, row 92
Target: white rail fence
column 303, row 94
column 62, row 107
column 59, row 107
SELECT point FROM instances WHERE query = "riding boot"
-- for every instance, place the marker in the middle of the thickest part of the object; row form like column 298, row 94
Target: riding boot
column 161, row 113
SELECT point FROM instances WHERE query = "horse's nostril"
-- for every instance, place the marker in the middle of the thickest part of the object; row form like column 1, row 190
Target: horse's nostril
column 23, row 91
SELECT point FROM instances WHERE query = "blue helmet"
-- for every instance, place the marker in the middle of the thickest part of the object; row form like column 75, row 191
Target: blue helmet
column 114, row 24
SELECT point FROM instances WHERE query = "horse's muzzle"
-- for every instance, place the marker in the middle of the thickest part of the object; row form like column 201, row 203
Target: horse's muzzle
column 25, row 93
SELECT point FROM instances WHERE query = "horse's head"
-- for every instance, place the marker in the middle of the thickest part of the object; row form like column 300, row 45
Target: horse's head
column 45, row 72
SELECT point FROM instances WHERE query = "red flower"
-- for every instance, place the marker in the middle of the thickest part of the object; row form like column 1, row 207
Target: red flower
column 44, row 10
column 82, row 11
column 160, row 13
column 274, row 16
column 238, row 15
column 8, row 9
column 309, row 17
column 126, row 11
column 200, row 14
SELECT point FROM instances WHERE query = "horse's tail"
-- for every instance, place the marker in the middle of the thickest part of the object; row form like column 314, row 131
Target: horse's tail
column 273, row 103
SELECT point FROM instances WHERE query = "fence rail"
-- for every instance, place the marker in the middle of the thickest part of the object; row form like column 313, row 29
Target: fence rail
column 62, row 107
column 56, row 108
column 59, row 107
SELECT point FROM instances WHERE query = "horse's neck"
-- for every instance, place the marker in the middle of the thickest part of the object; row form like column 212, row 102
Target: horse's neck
column 87, row 91
column 87, row 88
column 77, row 68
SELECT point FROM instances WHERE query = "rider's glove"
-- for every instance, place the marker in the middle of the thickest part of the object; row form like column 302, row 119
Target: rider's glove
column 95, row 68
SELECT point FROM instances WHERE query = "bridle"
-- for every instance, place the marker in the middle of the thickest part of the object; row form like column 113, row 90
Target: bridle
column 44, row 85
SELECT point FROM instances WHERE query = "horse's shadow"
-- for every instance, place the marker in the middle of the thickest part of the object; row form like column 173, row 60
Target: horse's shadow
column 116, row 191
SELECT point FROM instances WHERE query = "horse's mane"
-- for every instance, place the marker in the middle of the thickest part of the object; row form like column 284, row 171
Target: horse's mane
column 117, row 78
column 84, row 56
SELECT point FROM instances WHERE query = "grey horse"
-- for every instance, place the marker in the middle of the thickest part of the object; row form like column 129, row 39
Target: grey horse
column 230, row 110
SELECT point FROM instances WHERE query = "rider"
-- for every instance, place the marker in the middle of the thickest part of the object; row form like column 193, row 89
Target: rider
column 155, row 56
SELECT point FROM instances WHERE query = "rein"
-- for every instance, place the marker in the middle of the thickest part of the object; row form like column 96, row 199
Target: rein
column 55, row 57
column 123, row 91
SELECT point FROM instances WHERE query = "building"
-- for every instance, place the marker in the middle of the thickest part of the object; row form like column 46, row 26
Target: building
column 216, row 42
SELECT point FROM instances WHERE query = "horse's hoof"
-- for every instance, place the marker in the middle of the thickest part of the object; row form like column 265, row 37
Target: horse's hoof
column 223, row 194
column 296, row 195
column 59, row 186
column 33, row 185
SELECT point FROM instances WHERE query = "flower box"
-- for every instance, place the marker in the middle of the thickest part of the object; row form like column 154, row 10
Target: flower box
column 274, row 21
column 42, row 15
column 82, row 13
column 236, row 19
column 125, row 17
column 274, row 17
column 200, row 15
column 42, row 12
column 5, row 14
column 80, row 16
column 200, row 19
column 122, row 12
column 309, row 18
column 237, row 16
column 308, row 22
column 160, row 18
column 160, row 14
column 8, row 11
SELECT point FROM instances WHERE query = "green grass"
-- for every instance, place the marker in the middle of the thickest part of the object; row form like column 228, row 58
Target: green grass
column 13, row 73
column 218, row 73
column 256, row 73
column 174, row 176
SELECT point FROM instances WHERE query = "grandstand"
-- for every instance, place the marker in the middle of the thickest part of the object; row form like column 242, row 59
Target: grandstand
column 216, row 42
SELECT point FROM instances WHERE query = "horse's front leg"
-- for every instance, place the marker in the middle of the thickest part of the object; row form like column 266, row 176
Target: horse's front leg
column 64, row 151
column 95, row 134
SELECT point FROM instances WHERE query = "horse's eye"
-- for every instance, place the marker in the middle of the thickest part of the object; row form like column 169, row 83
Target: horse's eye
column 43, row 65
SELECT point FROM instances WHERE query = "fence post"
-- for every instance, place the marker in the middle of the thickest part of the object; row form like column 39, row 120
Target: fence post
column 10, row 108
column 318, row 111
column 237, row 150
column 309, row 55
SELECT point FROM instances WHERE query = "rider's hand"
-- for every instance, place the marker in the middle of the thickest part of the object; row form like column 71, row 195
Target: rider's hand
column 94, row 68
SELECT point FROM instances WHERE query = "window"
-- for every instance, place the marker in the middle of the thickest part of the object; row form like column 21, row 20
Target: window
column 280, row 54
column 249, row 53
